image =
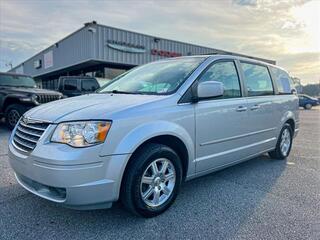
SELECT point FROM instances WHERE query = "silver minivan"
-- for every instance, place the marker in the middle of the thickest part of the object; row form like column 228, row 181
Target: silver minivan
column 141, row 136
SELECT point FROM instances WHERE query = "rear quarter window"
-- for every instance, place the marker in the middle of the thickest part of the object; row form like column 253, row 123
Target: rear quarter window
column 282, row 80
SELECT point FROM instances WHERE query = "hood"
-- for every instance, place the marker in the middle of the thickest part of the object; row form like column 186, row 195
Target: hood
column 32, row 91
column 92, row 106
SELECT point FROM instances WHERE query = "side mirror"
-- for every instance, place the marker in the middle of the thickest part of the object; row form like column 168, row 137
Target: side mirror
column 210, row 89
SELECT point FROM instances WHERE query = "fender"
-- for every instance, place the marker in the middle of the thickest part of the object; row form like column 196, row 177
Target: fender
column 286, row 116
column 14, row 96
column 142, row 133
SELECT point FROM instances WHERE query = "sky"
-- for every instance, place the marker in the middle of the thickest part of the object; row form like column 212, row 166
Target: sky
column 287, row 31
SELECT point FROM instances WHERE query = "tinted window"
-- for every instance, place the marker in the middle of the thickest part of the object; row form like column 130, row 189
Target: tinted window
column 89, row 85
column 226, row 73
column 282, row 80
column 70, row 84
column 257, row 79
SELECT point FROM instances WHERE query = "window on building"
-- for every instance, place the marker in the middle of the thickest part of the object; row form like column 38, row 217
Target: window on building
column 257, row 79
column 226, row 73
column 283, row 81
column 70, row 84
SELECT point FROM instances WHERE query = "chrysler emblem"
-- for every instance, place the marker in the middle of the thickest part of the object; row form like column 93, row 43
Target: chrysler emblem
column 28, row 120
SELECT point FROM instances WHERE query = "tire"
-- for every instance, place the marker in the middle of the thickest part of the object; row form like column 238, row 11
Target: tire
column 140, row 166
column 308, row 106
column 281, row 152
column 13, row 114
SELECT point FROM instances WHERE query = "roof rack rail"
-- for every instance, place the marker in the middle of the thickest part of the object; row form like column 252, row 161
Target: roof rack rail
column 240, row 55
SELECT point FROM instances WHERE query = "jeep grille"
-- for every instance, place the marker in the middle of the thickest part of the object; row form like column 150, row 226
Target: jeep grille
column 45, row 98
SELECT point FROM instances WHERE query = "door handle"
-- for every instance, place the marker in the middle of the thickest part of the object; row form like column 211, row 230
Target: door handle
column 255, row 107
column 241, row 109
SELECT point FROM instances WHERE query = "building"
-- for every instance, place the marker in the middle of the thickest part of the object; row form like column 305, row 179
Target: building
column 104, row 52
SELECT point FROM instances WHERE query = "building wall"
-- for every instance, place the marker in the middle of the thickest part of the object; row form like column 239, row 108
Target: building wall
column 73, row 49
column 105, row 53
column 109, row 45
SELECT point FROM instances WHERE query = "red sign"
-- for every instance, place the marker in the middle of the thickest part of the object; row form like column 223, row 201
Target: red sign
column 165, row 53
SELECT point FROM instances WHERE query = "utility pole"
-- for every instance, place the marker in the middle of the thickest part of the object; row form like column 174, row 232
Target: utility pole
column 7, row 63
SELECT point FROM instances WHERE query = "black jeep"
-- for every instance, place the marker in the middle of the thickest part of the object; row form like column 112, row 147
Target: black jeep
column 19, row 93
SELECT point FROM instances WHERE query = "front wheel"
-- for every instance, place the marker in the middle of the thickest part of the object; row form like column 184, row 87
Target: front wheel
column 308, row 106
column 152, row 180
column 284, row 143
column 12, row 115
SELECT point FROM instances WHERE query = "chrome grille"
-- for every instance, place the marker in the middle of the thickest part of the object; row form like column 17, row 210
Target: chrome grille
column 28, row 134
column 45, row 98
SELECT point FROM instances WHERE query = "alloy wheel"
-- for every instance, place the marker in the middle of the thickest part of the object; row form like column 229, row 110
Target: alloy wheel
column 13, row 117
column 285, row 142
column 158, row 182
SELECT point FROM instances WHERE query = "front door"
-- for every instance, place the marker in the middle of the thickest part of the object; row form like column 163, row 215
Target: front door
column 221, row 123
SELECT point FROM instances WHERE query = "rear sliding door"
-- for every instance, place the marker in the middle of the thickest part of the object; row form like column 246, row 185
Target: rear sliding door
column 262, row 106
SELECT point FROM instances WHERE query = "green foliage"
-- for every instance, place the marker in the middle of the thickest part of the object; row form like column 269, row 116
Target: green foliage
column 311, row 90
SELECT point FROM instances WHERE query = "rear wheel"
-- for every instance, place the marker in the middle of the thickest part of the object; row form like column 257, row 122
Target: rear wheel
column 284, row 143
column 13, row 113
column 152, row 180
column 308, row 106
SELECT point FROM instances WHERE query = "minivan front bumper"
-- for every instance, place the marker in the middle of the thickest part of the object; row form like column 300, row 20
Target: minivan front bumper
column 80, row 181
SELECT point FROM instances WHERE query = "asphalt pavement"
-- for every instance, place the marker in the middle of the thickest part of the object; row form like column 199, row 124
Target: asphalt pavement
column 258, row 199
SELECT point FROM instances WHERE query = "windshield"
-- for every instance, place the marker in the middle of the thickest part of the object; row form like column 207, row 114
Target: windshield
column 163, row 77
column 17, row 81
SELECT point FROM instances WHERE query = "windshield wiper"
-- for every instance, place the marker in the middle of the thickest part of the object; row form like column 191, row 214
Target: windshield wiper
column 121, row 92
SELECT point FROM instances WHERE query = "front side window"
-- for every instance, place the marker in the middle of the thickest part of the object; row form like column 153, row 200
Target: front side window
column 257, row 79
column 158, row 78
column 226, row 73
column 70, row 84
column 282, row 80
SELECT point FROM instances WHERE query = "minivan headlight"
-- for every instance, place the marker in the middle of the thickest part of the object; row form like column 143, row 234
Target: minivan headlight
column 81, row 134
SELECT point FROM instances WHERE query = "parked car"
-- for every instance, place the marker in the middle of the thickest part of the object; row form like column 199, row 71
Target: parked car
column 18, row 93
column 71, row 86
column 307, row 102
column 138, row 138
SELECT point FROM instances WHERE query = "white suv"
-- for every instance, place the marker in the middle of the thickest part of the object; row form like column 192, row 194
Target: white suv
column 139, row 137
